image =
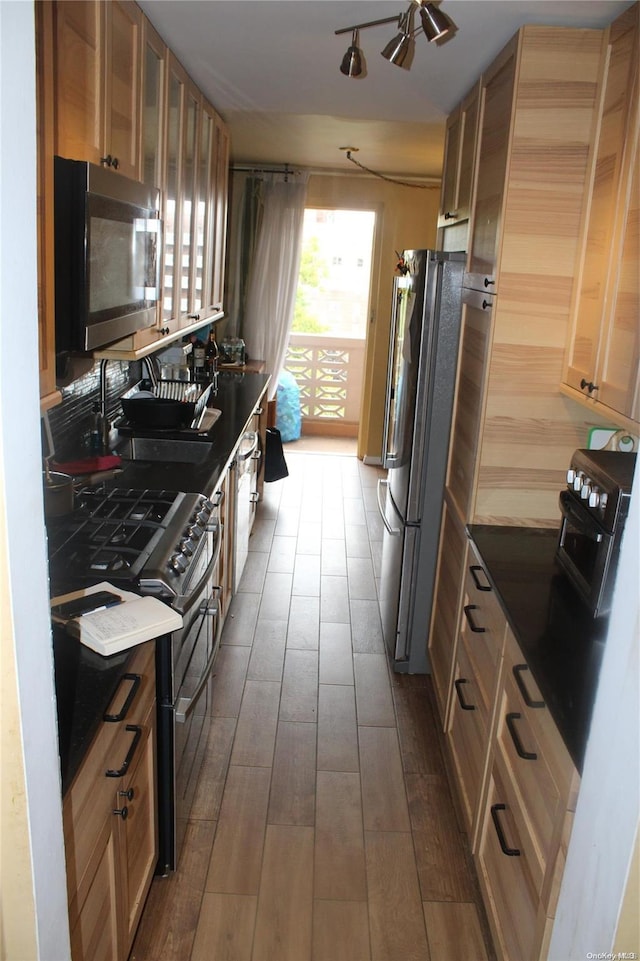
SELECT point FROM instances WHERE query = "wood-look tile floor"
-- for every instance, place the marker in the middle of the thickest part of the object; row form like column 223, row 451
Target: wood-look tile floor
column 323, row 827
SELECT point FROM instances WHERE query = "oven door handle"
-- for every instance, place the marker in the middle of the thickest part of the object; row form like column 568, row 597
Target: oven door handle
column 570, row 510
column 181, row 601
column 185, row 705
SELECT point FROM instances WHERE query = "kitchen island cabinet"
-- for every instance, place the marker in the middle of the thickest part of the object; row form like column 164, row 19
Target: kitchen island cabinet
column 603, row 353
column 109, row 808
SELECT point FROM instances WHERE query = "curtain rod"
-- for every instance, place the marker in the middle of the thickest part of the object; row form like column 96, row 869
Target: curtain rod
column 323, row 172
column 248, row 168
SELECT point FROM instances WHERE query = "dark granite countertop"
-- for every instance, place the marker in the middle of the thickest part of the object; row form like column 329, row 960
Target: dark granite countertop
column 560, row 641
column 85, row 685
column 237, row 397
column 86, row 681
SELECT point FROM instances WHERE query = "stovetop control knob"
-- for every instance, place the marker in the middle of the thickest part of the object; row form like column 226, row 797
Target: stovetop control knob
column 585, row 490
column 187, row 547
column 202, row 518
column 178, row 563
column 206, row 504
column 571, row 476
column 577, row 481
column 594, row 498
column 194, row 532
column 604, row 497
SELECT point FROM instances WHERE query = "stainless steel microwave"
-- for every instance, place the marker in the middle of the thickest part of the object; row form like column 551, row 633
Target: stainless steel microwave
column 108, row 252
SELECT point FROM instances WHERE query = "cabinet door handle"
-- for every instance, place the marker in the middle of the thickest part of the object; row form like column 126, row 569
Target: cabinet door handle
column 450, row 215
column 510, row 852
column 486, row 305
column 518, row 671
column 511, row 718
column 122, row 812
column 467, row 613
column 120, row 716
column 589, row 385
column 458, row 686
column 137, row 734
column 488, row 282
column 476, row 580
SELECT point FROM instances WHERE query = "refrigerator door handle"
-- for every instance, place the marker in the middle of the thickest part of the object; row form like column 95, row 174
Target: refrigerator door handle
column 394, row 531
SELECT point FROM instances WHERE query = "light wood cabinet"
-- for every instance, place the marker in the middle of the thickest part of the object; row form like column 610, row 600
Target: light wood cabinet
column 468, row 408
column 603, row 354
column 527, row 818
column 110, row 821
column 497, row 112
column 45, row 107
column 475, row 684
column 152, row 106
column 514, row 433
column 458, row 172
column 97, row 82
column 111, row 92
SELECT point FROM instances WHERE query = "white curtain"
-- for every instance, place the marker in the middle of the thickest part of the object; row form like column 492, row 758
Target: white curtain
column 273, row 277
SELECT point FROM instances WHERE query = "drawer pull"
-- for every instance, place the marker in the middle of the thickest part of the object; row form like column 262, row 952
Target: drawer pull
column 129, row 793
column 518, row 670
column 122, row 812
column 137, row 734
column 510, row 852
column 458, row 686
column 515, row 737
column 476, row 580
column 467, row 613
column 129, row 699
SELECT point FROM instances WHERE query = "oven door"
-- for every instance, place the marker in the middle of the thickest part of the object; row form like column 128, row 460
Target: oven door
column 186, row 668
column 585, row 551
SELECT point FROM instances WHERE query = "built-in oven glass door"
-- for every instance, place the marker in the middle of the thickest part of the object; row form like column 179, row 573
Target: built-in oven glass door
column 584, row 550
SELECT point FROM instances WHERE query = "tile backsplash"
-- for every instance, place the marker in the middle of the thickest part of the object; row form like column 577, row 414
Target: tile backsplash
column 70, row 421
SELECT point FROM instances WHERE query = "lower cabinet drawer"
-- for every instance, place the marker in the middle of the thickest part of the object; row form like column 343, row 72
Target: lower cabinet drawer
column 508, row 872
column 468, row 737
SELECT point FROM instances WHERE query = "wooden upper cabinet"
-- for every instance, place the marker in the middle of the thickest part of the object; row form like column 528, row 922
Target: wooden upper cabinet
column 603, row 351
column 45, row 107
column 79, row 79
column 97, row 78
column 459, row 161
column 496, row 111
column 152, row 106
column 122, row 86
column 220, row 203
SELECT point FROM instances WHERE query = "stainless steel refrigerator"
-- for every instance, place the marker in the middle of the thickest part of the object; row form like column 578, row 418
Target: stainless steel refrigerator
column 423, row 352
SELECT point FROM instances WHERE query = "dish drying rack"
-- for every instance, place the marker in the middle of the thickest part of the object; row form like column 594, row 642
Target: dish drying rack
column 186, row 392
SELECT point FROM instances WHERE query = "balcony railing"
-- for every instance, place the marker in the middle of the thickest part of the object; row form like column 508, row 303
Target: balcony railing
column 329, row 372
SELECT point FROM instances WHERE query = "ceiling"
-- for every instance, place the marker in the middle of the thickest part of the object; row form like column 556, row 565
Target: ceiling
column 271, row 68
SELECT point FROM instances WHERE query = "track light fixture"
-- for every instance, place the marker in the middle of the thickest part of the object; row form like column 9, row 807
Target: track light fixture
column 434, row 23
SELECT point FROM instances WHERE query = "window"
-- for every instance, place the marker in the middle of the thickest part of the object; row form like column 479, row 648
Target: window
column 335, row 270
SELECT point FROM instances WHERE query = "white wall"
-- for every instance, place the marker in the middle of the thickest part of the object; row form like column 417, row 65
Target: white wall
column 34, row 904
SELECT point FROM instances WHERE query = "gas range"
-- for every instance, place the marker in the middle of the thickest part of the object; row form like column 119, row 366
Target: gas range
column 147, row 540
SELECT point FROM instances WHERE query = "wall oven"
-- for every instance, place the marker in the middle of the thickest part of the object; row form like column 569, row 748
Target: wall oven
column 165, row 544
column 594, row 509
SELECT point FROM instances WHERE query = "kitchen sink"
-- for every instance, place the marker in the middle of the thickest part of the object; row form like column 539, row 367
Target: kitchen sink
column 167, row 450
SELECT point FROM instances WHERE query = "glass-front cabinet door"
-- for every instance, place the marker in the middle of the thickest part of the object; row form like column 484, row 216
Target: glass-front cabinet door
column 152, row 110
column 187, row 218
column 204, row 214
column 176, row 95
